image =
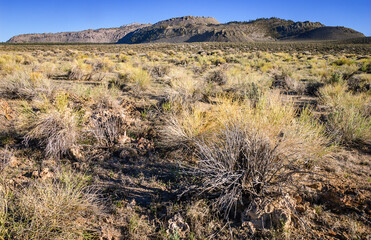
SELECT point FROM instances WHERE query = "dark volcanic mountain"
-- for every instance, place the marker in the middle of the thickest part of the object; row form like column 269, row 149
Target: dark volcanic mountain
column 199, row 29
column 334, row 33
column 196, row 29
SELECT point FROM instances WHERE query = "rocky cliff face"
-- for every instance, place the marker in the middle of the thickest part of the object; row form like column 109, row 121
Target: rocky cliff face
column 198, row 29
column 102, row 35
column 181, row 21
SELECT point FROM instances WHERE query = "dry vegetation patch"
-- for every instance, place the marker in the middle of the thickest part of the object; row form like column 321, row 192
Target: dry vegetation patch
column 185, row 141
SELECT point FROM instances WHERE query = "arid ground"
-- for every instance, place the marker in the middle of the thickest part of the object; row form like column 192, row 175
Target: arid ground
column 185, row 141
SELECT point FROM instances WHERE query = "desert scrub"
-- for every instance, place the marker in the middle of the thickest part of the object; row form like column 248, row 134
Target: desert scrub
column 25, row 85
column 359, row 83
column 123, row 57
column 289, row 81
column 49, row 69
column 247, row 85
column 217, row 76
column 245, row 151
column 239, row 166
column 79, row 70
column 183, row 87
column 64, row 207
column 103, row 121
column 100, row 64
column 55, row 127
column 349, row 120
column 343, row 61
column 201, row 219
column 158, row 70
column 7, row 64
column 106, row 127
column 302, row 137
column 100, row 96
column 187, row 124
column 135, row 77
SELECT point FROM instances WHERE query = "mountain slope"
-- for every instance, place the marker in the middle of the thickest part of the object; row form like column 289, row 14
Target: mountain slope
column 102, row 35
column 197, row 29
column 326, row 33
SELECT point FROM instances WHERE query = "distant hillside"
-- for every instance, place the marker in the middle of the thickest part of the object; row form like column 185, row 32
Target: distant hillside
column 102, row 35
column 198, row 29
column 333, row 33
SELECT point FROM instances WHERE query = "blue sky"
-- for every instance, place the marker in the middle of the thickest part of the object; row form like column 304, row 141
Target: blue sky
column 21, row 16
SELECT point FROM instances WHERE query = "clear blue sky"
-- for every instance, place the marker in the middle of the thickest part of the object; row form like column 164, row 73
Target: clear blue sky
column 27, row 16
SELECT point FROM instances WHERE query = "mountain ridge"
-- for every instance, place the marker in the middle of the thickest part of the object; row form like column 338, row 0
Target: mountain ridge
column 101, row 35
column 198, row 29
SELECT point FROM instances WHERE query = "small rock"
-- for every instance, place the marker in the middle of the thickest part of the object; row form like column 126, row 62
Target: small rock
column 35, row 173
column 177, row 225
column 14, row 162
column 77, row 154
column 46, row 173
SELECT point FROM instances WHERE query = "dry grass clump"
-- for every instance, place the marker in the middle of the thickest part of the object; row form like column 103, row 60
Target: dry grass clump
column 103, row 65
column 359, row 83
column 55, row 127
column 79, row 70
column 269, row 115
column 349, row 120
column 26, row 85
column 135, row 77
column 247, row 85
column 100, row 96
column 201, row 220
column 104, row 117
column 138, row 226
column 49, row 69
column 64, row 207
column 186, row 125
column 184, row 88
column 13, row 63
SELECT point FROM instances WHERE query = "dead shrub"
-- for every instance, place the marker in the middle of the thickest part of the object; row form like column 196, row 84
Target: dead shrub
column 106, row 127
column 218, row 77
column 56, row 129
column 288, row 83
column 239, row 166
column 160, row 70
